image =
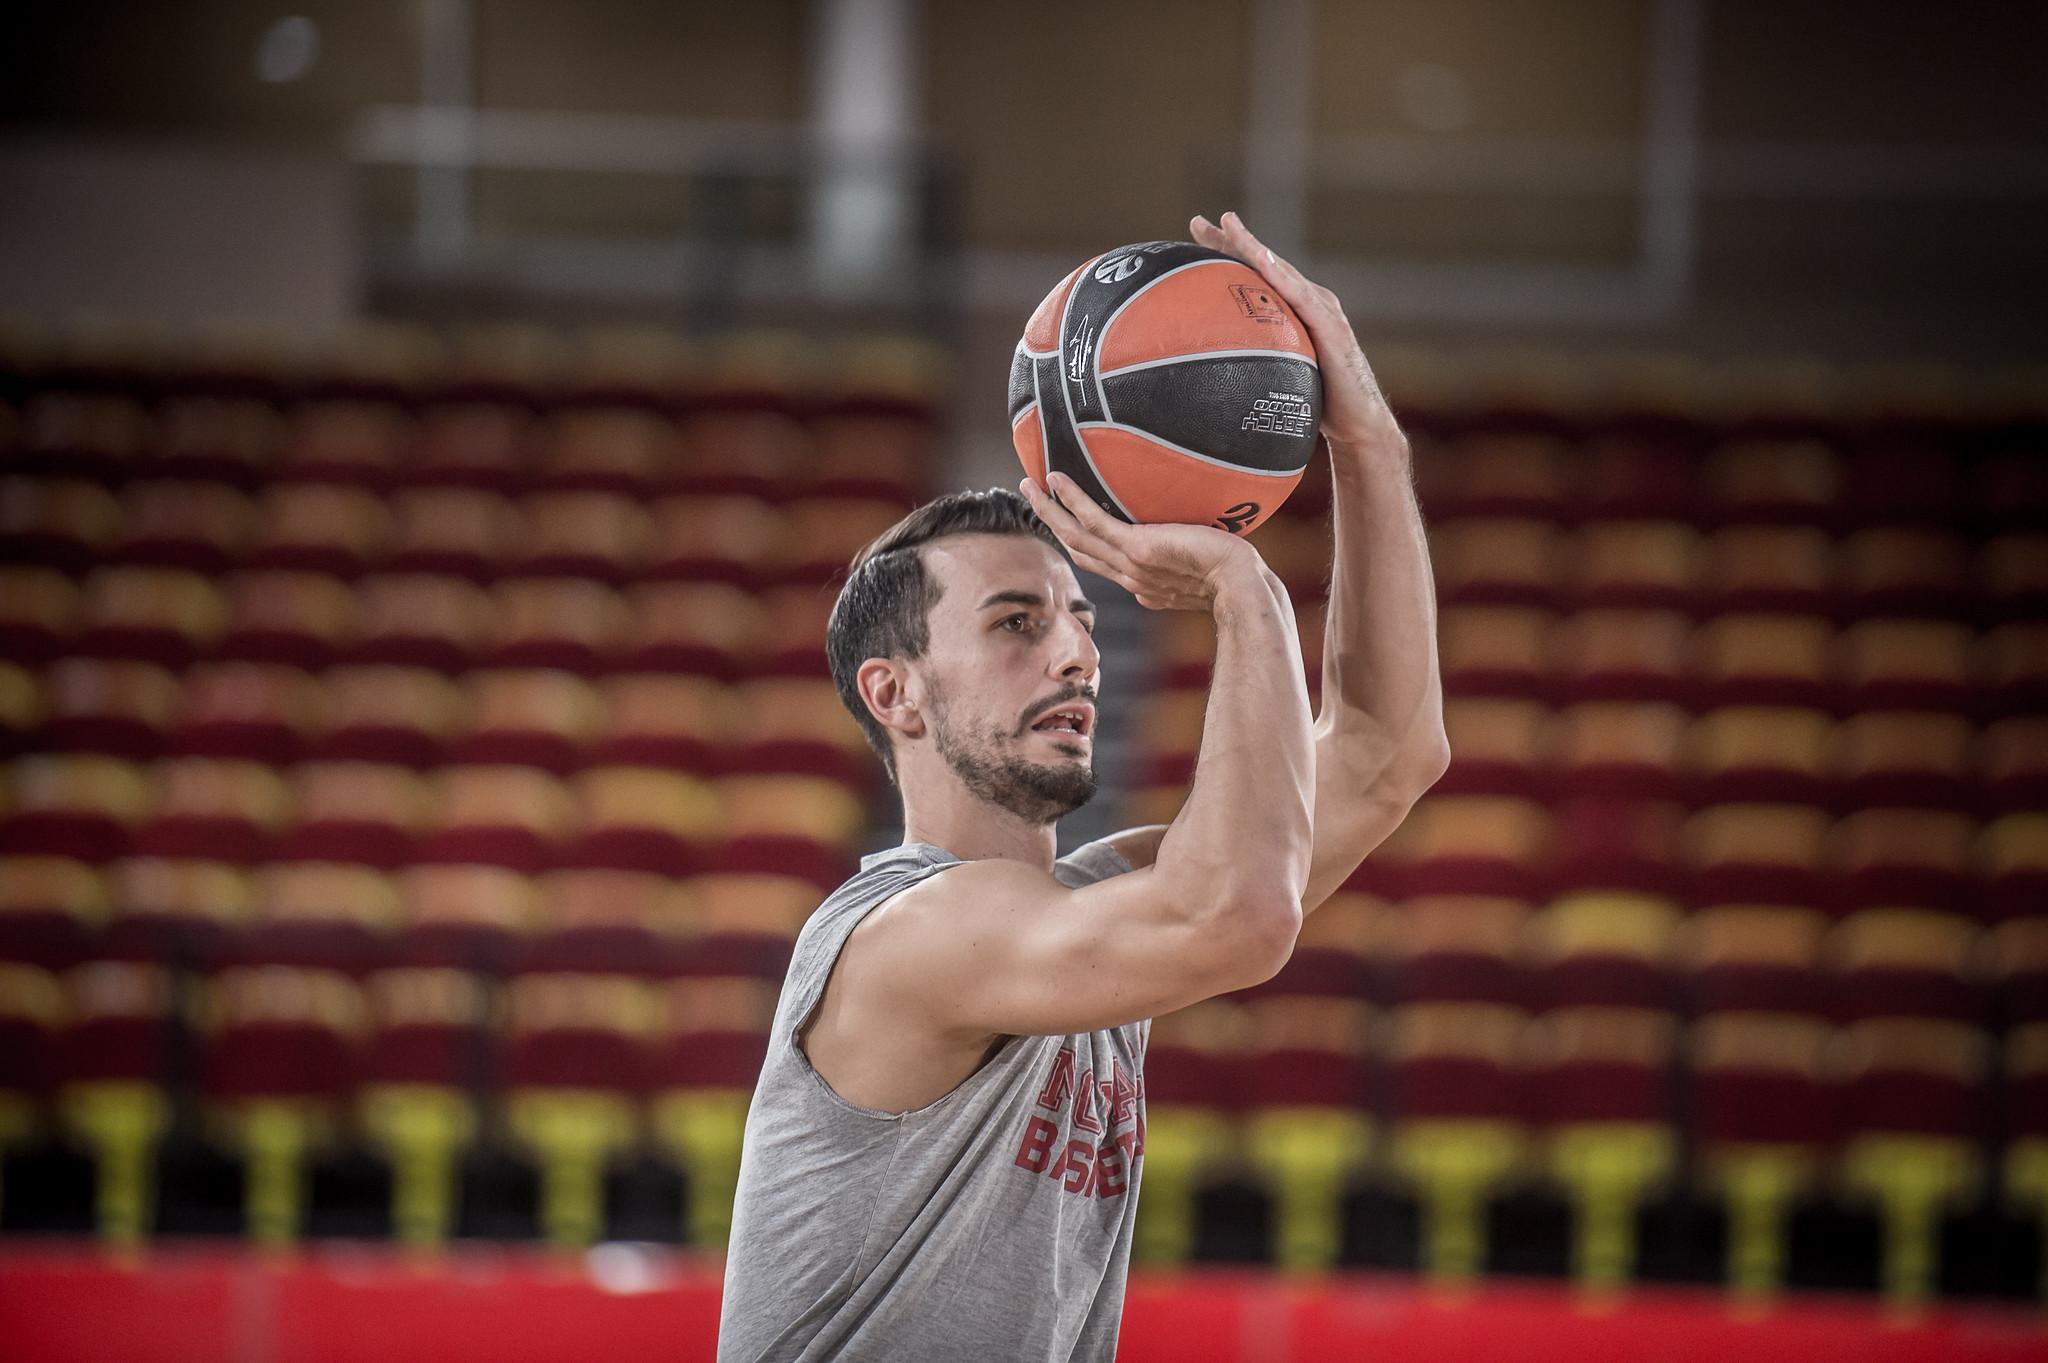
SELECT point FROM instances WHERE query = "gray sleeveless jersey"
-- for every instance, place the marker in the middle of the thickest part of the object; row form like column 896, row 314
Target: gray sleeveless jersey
column 994, row 1224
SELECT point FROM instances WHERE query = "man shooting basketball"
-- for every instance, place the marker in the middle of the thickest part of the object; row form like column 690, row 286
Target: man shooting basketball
column 943, row 1156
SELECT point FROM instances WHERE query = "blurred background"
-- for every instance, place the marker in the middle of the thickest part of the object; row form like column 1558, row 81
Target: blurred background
column 430, row 432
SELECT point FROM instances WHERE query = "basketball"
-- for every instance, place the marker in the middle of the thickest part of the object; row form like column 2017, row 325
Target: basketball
column 1171, row 384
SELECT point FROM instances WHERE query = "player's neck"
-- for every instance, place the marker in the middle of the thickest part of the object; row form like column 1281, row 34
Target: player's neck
column 977, row 831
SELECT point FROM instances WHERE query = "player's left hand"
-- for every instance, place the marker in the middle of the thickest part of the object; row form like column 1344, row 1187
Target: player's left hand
column 1355, row 413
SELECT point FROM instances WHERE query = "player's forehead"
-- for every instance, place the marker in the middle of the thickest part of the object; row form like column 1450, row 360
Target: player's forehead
column 971, row 568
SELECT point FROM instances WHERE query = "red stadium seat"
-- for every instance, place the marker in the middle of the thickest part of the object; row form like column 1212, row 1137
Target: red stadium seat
column 1498, row 474
column 202, row 527
column 627, row 451
column 21, row 709
column 1498, row 747
column 173, row 909
column 1620, row 655
column 1907, row 665
column 658, row 720
column 347, row 440
column 61, row 523
column 2013, row 764
column 796, row 726
column 1637, row 479
column 155, row 615
column 38, row 611
column 253, row 711
column 1778, row 482
column 471, row 445
column 460, row 532
column 1904, row 757
column 787, row 825
column 2012, row 576
column 1905, row 570
column 1493, row 650
column 1756, row 854
column 1760, row 753
column 78, row 807
column 568, row 624
column 600, row 535
column 824, row 533
column 406, row 715
column 354, row 812
column 1497, row 562
column 298, row 619
column 320, row 528
column 495, row 816
column 213, row 810
column 229, row 440
column 2012, row 665
column 49, row 909
column 1646, row 565
column 530, row 718
column 410, row 620
column 1778, row 660
column 640, row 819
column 122, row 709
column 704, row 538
column 694, row 627
column 80, row 434
column 1779, row 569
column 1619, row 749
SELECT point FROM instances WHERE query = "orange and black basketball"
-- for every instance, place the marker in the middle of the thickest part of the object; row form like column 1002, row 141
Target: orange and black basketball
column 1171, row 384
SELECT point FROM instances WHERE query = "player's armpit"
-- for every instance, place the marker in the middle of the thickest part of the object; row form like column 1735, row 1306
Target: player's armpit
column 998, row 947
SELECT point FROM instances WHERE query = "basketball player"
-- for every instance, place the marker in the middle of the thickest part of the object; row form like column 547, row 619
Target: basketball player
column 943, row 1155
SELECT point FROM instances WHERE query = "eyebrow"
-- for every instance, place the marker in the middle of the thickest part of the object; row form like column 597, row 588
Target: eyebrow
column 1079, row 603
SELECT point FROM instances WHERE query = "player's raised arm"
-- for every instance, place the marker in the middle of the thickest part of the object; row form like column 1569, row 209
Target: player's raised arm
column 1000, row 947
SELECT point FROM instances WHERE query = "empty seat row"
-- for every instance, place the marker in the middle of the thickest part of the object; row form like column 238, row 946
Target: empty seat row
column 343, row 530
column 173, row 618
column 558, row 721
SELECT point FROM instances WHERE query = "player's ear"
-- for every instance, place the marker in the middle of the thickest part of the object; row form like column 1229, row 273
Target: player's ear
column 885, row 686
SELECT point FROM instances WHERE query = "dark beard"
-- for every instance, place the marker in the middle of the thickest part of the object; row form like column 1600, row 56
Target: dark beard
column 1035, row 793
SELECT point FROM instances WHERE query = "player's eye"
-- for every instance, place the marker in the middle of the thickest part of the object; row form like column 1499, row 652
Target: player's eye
column 1010, row 620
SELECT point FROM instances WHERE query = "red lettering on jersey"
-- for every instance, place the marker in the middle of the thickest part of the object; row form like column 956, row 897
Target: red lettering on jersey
column 1121, row 1093
column 1037, row 1146
column 1084, row 1105
column 1075, row 1167
column 1109, row 1170
column 1059, row 1083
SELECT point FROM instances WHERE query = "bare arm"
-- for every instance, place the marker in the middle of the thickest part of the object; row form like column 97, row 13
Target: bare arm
column 1379, row 736
column 1000, row 947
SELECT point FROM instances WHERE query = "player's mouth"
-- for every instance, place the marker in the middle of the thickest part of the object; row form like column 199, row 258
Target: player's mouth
column 1074, row 719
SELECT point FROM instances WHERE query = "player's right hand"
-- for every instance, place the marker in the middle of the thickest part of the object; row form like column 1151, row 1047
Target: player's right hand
column 1166, row 567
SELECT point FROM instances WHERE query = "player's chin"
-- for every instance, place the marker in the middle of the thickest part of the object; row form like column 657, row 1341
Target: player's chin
column 1072, row 745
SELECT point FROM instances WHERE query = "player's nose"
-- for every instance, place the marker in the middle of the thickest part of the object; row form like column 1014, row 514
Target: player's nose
column 1075, row 656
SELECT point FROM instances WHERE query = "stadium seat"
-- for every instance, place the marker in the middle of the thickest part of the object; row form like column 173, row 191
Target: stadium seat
column 1638, row 479
column 824, row 533
column 1904, row 758
column 49, row 909
column 1776, row 660
column 424, row 1054
column 1498, row 474
column 1191, row 1109
column 218, row 439
column 172, row 909
column 157, row 615
column 1497, row 562
column 122, row 709
column 1756, row 854
column 39, row 609
column 626, row 451
column 81, row 807
column 1760, row 754
column 1907, row 665
column 403, row 715
column 199, row 527
column 457, row 532
column 735, row 448
column 1498, row 747
column 710, row 1040
column 694, row 627
column 1467, row 845
column 576, row 1052
column 1618, row 749
column 1183, row 647
column 1642, row 565
column 658, row 720
column 320, row 528
column 1898, row 482
column 21, row 709
column 2012, row 858
column 346, row 440
column 566, row 624
column 470, row 445
column 1620, row 844
column 607, row 920
column 80, row 434
column 280, row 1046
column 2010, row 491
column 790, row 825
column 1905, row 571
column 414, row 620
column 1620, row 655
column 2012, row 764
column 1297, row 548
column 1911, row 1093
column 639, row 819
column 31, row 1017
column 2012, row 663
column 599, row 535
column 869, row 453
column 495, row 816
column 363, row 812
column 57, row 523
column 299, row 619
column 213, row 810
column 1895, row 858
column 253, row 711
column 796, row 726
column 2012, row 577
column 1490, row 651
column 529, row 718
column 1765, row 1118
column 112, row 1068
column 469, row 918
column 791, row 641
column 1776, row 569
column 1774, row 482
column 704, row 538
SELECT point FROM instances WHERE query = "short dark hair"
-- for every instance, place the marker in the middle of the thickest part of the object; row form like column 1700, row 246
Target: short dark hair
column 884, row 610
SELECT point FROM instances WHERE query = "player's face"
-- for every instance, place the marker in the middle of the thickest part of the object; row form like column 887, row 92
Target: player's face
column 1011, row 673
